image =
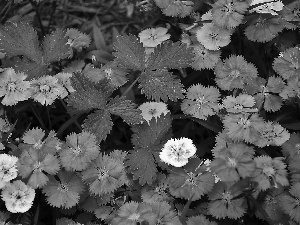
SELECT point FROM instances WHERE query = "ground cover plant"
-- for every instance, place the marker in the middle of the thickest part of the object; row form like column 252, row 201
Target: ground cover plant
column 149, row 112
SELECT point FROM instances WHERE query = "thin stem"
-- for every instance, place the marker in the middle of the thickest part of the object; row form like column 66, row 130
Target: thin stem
column 185, row 210
column 131, row 86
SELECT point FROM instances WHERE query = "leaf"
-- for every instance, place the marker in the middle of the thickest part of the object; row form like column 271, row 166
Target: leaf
column 32, row 69
column 151, row 135
column 142, row 164
column 161, row 84
column 55, row 46
column 98, row 38
column 126, row 109
column 292, row 126
column 20, row 39
column 129, row 52
column 171, row 55
column 86, row 96
column 99, row 123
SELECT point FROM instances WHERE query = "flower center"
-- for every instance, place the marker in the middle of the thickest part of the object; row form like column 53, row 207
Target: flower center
column 134, row 216
column 269, row 171
column 102, row 174
column 76, row 151
column 108, row 73
column 231, row 162
column 226, row 196
column 44, row 88
column 63, row 188
column 244, row 122
column 229, row 8
column 11, row 87
column 152, row 111
column 235, row 73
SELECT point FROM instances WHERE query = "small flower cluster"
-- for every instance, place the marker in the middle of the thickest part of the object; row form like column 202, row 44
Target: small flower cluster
column 15, row 88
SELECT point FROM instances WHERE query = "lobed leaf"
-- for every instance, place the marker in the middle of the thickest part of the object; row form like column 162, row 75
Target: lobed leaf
column 20, row 39
column 55, row 46
column 129, row 52
column 126, row 109
column 99, row 123
column 161, row 84
column 171, row 55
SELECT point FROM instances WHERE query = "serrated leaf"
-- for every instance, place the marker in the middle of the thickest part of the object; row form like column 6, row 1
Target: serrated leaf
column 142, row 164
column 55, row 46
column 126, row 109
column 151, row 135
column 86, row 96
column 129, row 52
column 32, row 69
column 99, row 123
column 171, row 55
column 161, row 84
column 18, row 39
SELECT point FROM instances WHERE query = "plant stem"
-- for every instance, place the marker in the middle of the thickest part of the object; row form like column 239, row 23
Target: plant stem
column 185, row 210
column 131, row 86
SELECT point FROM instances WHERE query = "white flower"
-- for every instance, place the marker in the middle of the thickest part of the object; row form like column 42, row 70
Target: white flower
column 267, row 6
column 18, row 196
column 153, row 110
column 177, row 151
column 8, row 169
column 154, row 36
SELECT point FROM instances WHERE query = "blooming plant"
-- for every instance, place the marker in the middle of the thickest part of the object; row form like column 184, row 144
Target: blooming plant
column 179, row 113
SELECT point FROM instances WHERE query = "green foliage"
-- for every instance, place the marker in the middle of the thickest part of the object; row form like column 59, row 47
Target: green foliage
column 147, row 141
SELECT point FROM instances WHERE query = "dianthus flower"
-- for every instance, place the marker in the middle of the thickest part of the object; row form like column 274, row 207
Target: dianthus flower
column 271, row 134
column 269, row 172
column 175, row 7
column 213, row 37
column 64, row 80
column 242, row 127
column 177, row 151
column 222, row 141
column 79, row 151
column 157, row 192
column 205, row 59
column 290, row 204
column 193, row 181
column 290, row 12
column 292, row 89
column 152, row 37
column 264, row 29
column 35, row 138
column 243, row 103
column 223, row 202
column 34, row 163
column 14, row 87
column 200, row 101
column 46, row 89
column 77, row 39
column 64, row 192
column 103, row 175
column 266, row 6
column 164, row 214
column 153, row 110
column 271, row 205
column 133, row 212
column 265, row 93
column 8, row 169
column 234, row 162
column 291, row 148
column 229, row 13
column 18, row 197
column 234, row 72
column 287, row 64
